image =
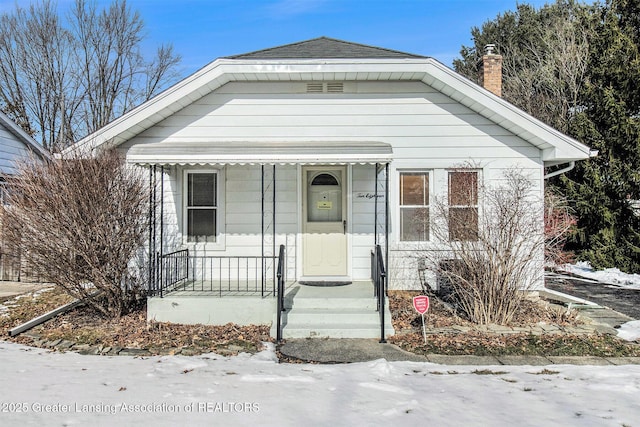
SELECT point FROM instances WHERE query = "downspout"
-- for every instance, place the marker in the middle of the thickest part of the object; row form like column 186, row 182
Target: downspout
column 572, row 164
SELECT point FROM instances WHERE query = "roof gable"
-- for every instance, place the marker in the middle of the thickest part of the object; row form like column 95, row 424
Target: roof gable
column 23, row 137
column 555, row 146
column 324, row 48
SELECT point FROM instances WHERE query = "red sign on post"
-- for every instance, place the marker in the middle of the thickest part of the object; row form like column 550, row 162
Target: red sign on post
column 421, row 303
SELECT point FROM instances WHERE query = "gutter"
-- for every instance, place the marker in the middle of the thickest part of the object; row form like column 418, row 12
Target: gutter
column 572, row 164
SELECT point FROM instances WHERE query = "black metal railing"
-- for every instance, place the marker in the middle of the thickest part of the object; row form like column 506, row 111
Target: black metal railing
column 379, row 278
column 170, row 271
column 214, row 275
column 280, row 294
column 232, row 275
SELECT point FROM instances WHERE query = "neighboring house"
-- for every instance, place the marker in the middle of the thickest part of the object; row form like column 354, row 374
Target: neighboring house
column 15, row 145
column 327, row 147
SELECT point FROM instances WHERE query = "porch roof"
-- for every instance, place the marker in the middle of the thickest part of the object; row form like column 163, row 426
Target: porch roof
column 260, row 152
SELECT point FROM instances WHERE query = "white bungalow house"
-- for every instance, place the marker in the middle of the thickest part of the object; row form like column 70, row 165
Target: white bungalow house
column 325, row 148
column 15, row 145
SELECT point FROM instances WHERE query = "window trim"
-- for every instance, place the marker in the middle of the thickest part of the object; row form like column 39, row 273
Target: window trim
column 220, row 208
column 430, row 174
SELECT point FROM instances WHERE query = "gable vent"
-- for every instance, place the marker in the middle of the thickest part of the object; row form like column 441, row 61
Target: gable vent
column 315, row 88
column 333, row 87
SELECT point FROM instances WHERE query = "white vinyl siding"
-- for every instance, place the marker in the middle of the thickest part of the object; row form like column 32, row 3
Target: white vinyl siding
column 11, row 150
column 428, row 131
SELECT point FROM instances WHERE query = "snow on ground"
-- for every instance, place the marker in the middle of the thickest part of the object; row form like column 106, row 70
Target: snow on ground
column 630, row 331
column 612, row 276
column 40, row 388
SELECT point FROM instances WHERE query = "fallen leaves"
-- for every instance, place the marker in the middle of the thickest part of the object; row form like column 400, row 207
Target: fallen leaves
column 84, row 326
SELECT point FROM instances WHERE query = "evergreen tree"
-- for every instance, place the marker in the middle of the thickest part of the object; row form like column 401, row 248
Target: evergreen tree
column 576, row 67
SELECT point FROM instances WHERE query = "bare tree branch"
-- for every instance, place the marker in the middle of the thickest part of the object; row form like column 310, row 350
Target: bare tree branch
column 67, row 80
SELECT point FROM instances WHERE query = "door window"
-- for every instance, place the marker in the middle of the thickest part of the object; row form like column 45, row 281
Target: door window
column 324, row 197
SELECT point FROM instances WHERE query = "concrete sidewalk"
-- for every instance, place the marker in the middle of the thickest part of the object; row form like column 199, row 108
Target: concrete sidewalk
column 351, row 350
column 11, row 289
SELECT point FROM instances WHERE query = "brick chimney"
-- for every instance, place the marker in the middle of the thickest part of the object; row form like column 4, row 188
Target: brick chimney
column 492, row 70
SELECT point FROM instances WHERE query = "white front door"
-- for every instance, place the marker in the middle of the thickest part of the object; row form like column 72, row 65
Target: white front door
column 324, row 223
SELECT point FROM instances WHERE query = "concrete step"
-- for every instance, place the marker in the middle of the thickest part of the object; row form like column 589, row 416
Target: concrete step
column 336, row 331
column 334, row 316
column 335, row 312
column 334, row 323
column 332, row 303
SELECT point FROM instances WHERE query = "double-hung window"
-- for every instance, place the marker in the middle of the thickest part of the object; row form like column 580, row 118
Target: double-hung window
column 201, row 207
column 414, row 206
column 463, row 205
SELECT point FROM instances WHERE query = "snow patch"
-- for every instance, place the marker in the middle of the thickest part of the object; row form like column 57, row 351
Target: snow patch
column 630, row 331
column 612, row 276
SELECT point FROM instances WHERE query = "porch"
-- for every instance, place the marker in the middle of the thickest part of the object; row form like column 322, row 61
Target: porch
column 253, row 290
column 228, row 217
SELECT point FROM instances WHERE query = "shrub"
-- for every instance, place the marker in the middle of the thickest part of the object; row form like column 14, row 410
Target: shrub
column 490, row 258
column 79, row 222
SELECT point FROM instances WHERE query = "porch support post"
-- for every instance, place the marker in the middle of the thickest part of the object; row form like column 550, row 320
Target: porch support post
column 375, row 207
column 274, row 222
column 153, row 229
column 160, row 267
column 150, row 248
column 264, row 263
column 386, row 221
column 383, row 292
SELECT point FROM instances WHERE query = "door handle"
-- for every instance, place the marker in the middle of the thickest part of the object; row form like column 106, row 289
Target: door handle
column 344, row 224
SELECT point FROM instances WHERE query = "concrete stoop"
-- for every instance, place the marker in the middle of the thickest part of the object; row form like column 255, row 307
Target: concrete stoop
column 333, row 312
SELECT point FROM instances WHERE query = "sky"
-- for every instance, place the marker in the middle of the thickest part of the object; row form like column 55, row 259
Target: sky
column 203, row 30
column 42, row 388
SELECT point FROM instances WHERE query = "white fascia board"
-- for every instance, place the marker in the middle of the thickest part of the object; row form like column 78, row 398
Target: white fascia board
column 552, row 142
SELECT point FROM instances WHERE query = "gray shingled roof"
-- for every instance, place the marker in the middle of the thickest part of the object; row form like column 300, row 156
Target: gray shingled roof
column 324, row 48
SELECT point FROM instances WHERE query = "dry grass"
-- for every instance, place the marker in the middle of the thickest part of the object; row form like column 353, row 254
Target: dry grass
column 441, row 315
column 479, row 342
